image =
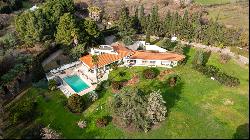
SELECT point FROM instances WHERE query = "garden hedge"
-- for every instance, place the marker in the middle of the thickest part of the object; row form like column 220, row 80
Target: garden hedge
column 213, row 71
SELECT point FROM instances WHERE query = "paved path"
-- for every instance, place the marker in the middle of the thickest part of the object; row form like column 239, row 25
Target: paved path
column 109, row 39
column 52, row 57
column 17, row 98
column 238, row 58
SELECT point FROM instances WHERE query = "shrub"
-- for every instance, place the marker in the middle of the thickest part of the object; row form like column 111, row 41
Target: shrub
column 128, row 40
column 103, row 85
column 52, row 85
column 102, row 122
column 114, row 66
column 151, row 73
column 92, row 96
column 223, row 78
column 179, row 49
column 208, row 70
column 75, row 103
column 201, row 57
column 141, row 47
column 22, row 111
column 48, row 133
column 224, row 58
column 227, row 80
column 173, row 80
column 168, row 44
column 9, row 40
column 122, row 73
column 117, row 85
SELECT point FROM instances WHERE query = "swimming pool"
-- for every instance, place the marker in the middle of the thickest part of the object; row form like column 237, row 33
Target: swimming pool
column 76, row 83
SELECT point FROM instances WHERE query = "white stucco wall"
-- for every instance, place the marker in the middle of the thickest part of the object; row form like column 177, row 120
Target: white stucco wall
column 155, row 48
column 160, row 63
column 99, row 51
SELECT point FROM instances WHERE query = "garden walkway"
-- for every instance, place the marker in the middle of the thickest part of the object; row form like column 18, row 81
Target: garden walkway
column 238, row 58
column 52, row 57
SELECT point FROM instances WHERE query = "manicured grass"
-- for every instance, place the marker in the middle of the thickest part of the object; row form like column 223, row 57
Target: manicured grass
column 212, row 2
column 196, row 107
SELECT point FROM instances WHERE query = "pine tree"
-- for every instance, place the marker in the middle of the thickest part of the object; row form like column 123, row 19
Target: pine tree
column 196, row 26
column 136, row 22
column 167, row 24
column 92, row 31
column 141, row 14
column 154, row 20
column 125, row 23
column 66, row 30
column 142, row 19
column 186, row 27
column 31, row 26
column 175, row 24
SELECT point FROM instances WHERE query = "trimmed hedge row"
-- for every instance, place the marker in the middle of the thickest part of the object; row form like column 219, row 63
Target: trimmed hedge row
column 213, row 71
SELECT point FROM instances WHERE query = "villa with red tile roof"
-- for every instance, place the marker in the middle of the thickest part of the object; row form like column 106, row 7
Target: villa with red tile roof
column 119, row 53
column 88, row 74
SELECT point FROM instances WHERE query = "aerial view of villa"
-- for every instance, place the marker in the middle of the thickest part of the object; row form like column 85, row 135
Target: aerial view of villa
column 124, row 69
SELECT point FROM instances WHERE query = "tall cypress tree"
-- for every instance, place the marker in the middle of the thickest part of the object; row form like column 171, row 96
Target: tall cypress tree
column 167, row 24
column 154, row 20
column 142, row 19
column 66, row 30
column 136, row 22
column 175, row 24
column 185, row 26
column 125, row 23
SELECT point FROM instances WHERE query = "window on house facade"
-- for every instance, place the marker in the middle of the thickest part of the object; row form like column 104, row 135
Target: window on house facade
column 167, row 63
column 152, row 62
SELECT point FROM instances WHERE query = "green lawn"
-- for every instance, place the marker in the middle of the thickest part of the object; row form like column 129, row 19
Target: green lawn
column 196, row 107
column 212, row 2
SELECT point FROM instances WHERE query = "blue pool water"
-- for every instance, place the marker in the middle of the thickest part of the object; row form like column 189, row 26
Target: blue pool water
column 76, row 83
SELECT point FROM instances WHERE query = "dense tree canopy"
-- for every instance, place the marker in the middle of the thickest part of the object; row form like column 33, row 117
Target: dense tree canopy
column 7, row 6
column 54, row 9
column 92, row 35
column 125, row 23
column 34, row 26
column 66, row 30
column 134, row 108
column 31, row 26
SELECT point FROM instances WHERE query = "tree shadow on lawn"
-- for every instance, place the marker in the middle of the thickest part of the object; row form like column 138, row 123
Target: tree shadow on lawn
column 171, row 94
column 242, row 132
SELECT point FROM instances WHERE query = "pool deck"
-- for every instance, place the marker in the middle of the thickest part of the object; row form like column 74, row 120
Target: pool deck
column 81, row 71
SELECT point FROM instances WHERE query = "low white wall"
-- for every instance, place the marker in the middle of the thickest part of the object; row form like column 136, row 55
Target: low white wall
column 155, row 48
column 160, row 63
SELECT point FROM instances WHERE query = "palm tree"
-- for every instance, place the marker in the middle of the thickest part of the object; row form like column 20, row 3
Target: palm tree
column 95, row 60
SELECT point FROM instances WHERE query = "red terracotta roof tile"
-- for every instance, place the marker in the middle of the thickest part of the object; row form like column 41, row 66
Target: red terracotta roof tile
column 105, row 59
column 148, row 55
